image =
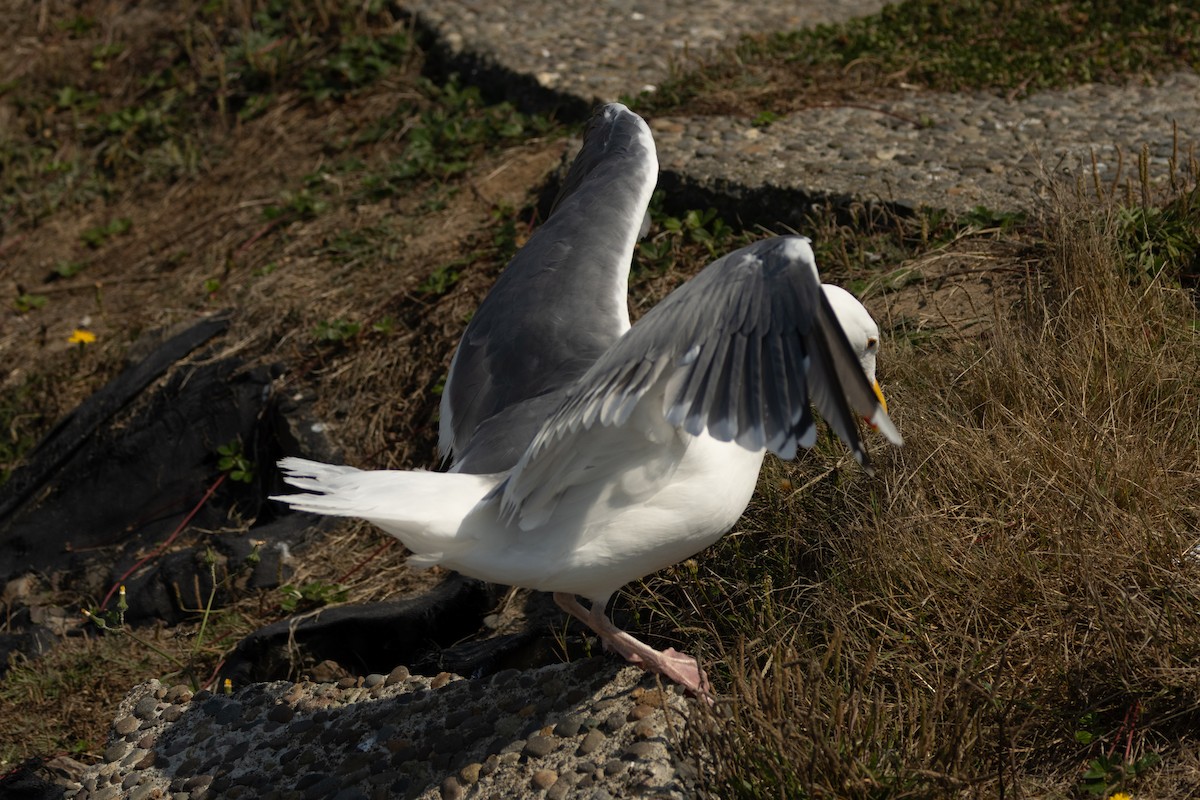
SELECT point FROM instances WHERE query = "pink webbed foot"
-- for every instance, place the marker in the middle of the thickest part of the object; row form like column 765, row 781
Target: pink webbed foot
column 670, row 663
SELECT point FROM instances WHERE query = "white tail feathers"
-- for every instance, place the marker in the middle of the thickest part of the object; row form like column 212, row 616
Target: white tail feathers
column 424, row 510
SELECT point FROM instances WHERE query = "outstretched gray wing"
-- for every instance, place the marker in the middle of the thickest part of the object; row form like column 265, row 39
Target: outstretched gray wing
column 739, row 351
column 562, row 300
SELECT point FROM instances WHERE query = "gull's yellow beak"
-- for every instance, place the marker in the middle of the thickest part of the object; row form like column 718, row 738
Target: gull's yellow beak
column 882, row 404
column 879, row 394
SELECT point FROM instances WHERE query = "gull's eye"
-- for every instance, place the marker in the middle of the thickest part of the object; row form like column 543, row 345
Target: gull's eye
column 872, row 343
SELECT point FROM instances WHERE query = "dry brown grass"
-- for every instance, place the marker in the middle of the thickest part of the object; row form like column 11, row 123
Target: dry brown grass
column 1016, row 574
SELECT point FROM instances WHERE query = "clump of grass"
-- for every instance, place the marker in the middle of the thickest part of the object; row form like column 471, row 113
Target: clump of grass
column 446, row 135
column 105, row 103
column 1022, row 565
column 1008, row 46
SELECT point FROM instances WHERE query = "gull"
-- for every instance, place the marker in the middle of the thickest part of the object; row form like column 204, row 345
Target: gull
column 586, row 452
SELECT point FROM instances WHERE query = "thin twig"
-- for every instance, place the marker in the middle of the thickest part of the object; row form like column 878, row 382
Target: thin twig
column 162, row 547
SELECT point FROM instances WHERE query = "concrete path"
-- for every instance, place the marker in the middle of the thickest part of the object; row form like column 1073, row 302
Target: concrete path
column 953, row 151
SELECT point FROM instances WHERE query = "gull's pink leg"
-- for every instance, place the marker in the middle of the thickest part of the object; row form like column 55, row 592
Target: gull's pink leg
column 670, row 663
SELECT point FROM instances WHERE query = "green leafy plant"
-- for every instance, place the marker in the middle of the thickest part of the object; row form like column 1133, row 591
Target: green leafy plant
column 1163, row 240
column 310, row 595
column 68, row 269
column 504, row 232
column 98, row 236
column 337, row 330
column 442, row 279
column 1107, row 774
column 677, row 237
column 232, row 460
column 1085, row 728
column 358, row 61
column 301, row 205
column 189, row 661
column 25, row 302
column 385, row 325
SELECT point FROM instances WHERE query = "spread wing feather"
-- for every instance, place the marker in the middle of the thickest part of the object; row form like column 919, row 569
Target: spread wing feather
column 737, row 352
column 562, row 298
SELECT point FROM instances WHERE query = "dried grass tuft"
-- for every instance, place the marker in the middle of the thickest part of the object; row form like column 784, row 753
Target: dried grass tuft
column 1012, row 598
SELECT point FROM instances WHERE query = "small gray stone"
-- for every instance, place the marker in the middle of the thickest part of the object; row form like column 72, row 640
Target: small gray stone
column 594, row 739
column 116, row 751
column 544, row 779
column 178, row 694
column 567, row 727
column 126, row 725
column 299, row 726
column 230, row 713
column 172, row 713
column 451, row 789
column 146, row 707
column 540, row 746
column 322, row 789
column 176, row 746
column 311, row 779
column 236, row 751
column 640, row 750
column 146, row 791
column 490, row 765
column 470, row 773
column 397, row 675
column 613, row 722
column 281, row 713
column 197, row 783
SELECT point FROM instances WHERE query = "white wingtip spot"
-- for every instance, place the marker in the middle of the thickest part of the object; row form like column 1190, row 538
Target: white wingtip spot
column 798, row 247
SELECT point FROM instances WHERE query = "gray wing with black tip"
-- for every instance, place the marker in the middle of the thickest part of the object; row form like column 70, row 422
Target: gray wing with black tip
column 737, row 352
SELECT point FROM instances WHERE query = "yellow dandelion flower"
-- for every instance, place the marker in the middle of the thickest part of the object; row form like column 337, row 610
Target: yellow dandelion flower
column 80, row 336
column 1120, row 796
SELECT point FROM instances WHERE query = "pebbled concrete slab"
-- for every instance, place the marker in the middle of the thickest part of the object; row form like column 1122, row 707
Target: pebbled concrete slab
column 591, row 728
column 599, row 52
column 940, row 150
